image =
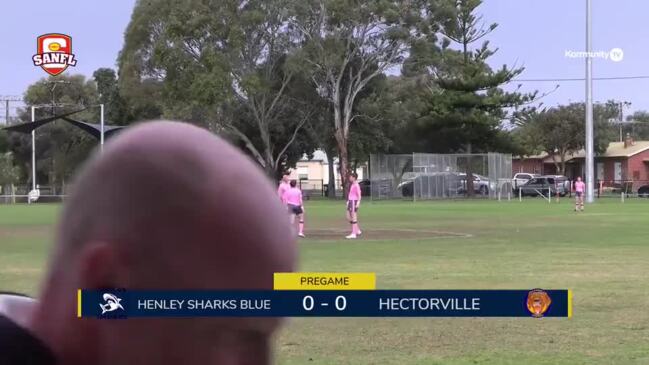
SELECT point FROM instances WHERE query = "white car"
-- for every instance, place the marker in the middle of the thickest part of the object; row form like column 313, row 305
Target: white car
column 521, row 178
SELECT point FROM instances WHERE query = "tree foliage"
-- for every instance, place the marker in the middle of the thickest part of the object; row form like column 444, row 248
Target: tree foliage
column 224, row 64
column 467, row 104
column 348, row 43
column 560, row 131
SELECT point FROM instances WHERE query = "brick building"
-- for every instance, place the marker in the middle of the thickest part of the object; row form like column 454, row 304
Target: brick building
column 622, row 162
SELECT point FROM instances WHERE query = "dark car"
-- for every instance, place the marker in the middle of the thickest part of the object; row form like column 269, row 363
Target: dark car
column 444, row 184
column 555, row 184
column 366, row 187
column 381, row 188
column 643, row 191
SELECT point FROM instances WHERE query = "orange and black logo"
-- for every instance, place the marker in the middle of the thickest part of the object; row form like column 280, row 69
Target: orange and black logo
column 538, row 302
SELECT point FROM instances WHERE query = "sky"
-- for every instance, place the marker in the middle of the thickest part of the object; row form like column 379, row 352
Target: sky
column 535, row 34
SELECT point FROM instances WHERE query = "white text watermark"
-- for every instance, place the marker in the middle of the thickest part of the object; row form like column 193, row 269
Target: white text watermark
column 615, row 54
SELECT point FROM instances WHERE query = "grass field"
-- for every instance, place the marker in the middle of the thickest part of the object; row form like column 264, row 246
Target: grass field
column 602, row 254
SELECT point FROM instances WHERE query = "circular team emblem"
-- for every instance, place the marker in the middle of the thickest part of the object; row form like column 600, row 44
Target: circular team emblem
column 538, row 302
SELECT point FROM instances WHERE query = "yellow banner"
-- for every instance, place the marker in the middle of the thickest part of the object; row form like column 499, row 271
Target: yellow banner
column 324, row 281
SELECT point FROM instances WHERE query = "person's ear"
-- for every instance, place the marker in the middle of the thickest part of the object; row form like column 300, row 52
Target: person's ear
column 100, row 267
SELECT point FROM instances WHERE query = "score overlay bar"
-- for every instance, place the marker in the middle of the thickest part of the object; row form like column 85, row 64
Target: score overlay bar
column 325, row 303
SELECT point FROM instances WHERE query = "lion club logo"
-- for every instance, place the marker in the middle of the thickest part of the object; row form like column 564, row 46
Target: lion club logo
column 54, row 53
column 538, row 302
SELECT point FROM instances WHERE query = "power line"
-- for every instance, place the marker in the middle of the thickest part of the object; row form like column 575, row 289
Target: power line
column 6, row 99
column 582, row 79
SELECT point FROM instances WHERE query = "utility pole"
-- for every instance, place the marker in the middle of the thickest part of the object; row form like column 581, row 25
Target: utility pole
column 7, row 99
column 53, row 84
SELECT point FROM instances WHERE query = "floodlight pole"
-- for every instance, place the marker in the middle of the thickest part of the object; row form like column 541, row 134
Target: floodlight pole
column 33, row 150
column 101, row 143
column 589, row 109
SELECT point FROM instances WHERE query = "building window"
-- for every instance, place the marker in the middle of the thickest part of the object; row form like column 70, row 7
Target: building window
column 617, row 167
column 600, row 171
column 303, row 173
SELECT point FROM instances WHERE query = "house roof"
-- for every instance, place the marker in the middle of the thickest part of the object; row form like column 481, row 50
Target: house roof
column 540, row 156
column 615, row 149
column 318, row 156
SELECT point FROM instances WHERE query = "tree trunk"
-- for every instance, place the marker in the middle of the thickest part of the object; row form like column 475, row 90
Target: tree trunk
column 343, row 161
column 343, row 167
column 331, row 185
column 272, row 170
column 557, row 167
column 469, row 172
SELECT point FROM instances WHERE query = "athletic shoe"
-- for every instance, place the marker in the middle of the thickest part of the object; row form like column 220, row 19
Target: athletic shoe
column 359, row 233
column 301, row 234
column 351, row 236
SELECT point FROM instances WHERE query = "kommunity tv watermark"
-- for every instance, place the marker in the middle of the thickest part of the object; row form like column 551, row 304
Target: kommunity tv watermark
column 615, row 54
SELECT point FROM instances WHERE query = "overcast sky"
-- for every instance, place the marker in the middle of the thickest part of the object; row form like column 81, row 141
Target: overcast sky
column 532, row 33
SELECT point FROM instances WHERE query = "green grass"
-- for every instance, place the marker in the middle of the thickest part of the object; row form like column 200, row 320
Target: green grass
column 602, row 254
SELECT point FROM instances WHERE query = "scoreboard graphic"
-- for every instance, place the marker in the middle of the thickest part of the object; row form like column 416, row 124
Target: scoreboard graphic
column 324, row 295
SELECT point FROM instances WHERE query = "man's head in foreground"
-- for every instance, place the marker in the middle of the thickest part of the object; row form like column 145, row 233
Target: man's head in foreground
column 165, row 206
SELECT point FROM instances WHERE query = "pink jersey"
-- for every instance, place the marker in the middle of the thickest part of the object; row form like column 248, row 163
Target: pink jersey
column 293, row 196
column 580, row 186
column 354, row 192
column 281, row 190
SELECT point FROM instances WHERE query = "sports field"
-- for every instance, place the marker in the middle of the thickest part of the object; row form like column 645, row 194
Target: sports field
column 602, row 254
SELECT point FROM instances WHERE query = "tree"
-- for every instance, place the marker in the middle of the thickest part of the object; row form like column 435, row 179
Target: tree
column 223, row 64
column 467, row 104
column 9, row 174
column 346, row 45
column 637, row 127
column 115, row 107
column 560, row 131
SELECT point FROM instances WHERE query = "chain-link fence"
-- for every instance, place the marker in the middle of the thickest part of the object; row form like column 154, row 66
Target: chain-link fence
column 422, row 176
column 388, row 174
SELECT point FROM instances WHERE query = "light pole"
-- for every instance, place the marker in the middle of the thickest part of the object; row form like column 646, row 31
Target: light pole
column 101, row 142
column 33, row 150
column 589, row 109
column 34, row 107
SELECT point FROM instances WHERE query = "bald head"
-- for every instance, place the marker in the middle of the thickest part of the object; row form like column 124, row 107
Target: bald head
column 168, row 205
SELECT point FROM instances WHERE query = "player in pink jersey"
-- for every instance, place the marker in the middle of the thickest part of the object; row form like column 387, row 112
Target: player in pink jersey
column 353, row 203
column 580, row 189
column 293, row 199
column 283, row 187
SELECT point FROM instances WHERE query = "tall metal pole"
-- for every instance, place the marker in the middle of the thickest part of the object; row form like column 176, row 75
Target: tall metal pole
column 7, row 112
column 102, row 127
column 590, row 161
column 33, row 150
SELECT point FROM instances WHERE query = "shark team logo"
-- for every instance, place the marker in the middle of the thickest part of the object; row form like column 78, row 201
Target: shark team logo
column 54, row 53
column 111, row 303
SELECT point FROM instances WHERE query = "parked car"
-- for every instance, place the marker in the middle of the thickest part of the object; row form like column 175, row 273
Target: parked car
column 366, row 187
column 556, row 184
column 447, row 184
column 481, row 184
column 381, row 187
column 521, row 178
column 643, row 191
